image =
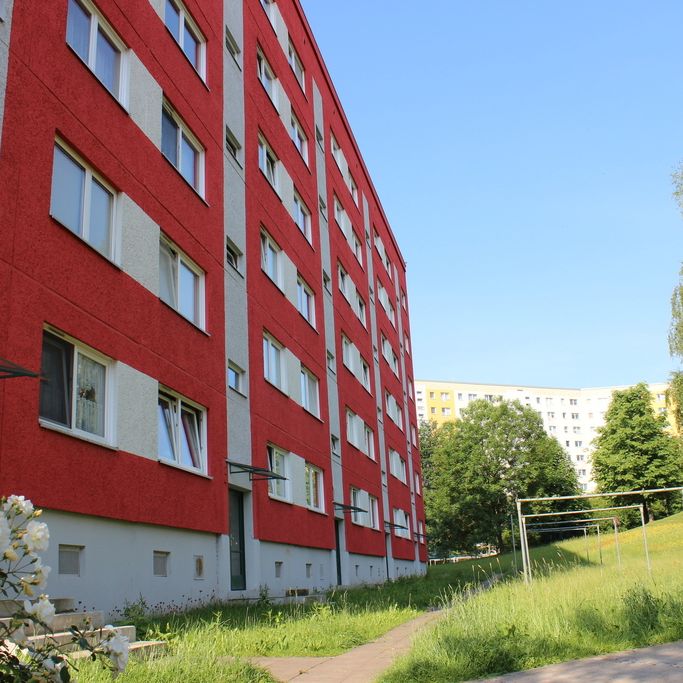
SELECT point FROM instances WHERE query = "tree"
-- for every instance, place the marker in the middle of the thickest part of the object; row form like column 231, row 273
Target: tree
column 633, row 449
column 480, row 464
column 674, row 395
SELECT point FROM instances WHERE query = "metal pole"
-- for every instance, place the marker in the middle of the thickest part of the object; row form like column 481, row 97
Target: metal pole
column 512, row 531
column 526, row 549
column 521, row 542
column 597, row 526
column 585, row 538
column 616, row 541
column 647, row 553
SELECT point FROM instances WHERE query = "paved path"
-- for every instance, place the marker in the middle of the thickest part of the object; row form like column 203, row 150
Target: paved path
column 661, row 663
column 361, row 665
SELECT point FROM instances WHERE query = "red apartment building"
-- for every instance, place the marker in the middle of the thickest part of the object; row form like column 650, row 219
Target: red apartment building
column 195, row 258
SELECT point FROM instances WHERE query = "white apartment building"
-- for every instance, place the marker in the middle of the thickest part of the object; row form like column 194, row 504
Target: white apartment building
column 572, row 416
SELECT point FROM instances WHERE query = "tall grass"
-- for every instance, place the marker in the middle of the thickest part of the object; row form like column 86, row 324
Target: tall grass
column 572, row 609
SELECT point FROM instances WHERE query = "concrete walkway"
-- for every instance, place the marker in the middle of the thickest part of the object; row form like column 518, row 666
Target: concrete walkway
column 661, row 663
column 361, row 665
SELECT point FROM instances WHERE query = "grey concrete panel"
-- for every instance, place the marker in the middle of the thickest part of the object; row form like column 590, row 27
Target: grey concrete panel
column 289, row 277
column 139, row 245
column 280, row 28
column 136, row 423
column 159, row 7
column 146, row 98
column 293, row 561
column 284, row 106
column 293, row 371
column 6, row 7
column 119, row 555
column 285, row 187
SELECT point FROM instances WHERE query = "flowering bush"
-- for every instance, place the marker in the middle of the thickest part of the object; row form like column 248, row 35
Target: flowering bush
column 22, row 574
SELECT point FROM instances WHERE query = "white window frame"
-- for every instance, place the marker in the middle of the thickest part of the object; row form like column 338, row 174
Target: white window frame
column 90, row 176
column 302, row 217
column 355, row 499
column 181, row 258
column 298, row 136
column 178, row 404
column 268, row 9
column 239, row 378
column 418, row 486
column 361, row 311
column 397, row 465
column 183, row 132
column 393, row 410
column 80, row 349
column 297, row 66
column 99, row 23
column 277, row 376
column 266, row 76
column 357, row 247
column 272, row 256
column 401, row 519
column 76, row 551
column 389, row 355
column 336, row 151
column 368, row 441
column 353, row 188
column 373, row 512
column 161, row 555
column 314, row 481
column 269, row 163
column 310, row 392
column 305, row 301
column 344, row 280
column 278, row 462
column 186, row 18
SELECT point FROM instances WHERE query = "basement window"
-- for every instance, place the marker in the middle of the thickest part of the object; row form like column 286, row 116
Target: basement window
column 69, row 562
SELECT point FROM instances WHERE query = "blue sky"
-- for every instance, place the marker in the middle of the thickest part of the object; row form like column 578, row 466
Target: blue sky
column 523, row 153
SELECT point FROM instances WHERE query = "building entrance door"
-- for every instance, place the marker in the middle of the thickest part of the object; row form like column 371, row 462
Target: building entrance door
column 238, row 576
column 337, row 537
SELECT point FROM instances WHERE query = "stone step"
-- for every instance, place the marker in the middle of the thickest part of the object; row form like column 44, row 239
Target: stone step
column 142, row 649
column 9, row 607
column 64, row 620
column 93, row 636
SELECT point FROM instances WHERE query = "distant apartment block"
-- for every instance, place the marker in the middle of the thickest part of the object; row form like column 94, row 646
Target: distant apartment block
column 572, row 416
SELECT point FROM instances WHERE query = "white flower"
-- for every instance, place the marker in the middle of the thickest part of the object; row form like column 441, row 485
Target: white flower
column 11, row 554
column 18, row 635
column 20, row 504
column 117, row 649
column 37, row 537
column 5, row 535
column 40, row 574
column 43, row 610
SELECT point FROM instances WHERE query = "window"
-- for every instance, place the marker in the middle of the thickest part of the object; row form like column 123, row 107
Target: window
column 357, row 247
column 336, row 150
column 394, row 410
column 397, row 465
column 359, row 434
column 273, row 369
column 314, row 487
column 181, row 427
column 277, row 463
column 471, row 397
column 231, row 45
column 182, row 149
column 236, row 377
column 199, row 566
column 93, row 40
column 181, row 283
column 573, row 402
column 271, row 259
column 268, row 163
column 344, row 282
column 70, row 559
column 296, row 132
column 305, row 301
column 356, row 515
column 445, row 411
column 383, row 297
column 297, row 66
column 330, row 362
column 578, row 444
column 186, row 33
column 551, row 415
column 160, row 563
column 368, row 442
column 74, row 386
column 413, row 435
column 373, row 512
column 389, row 355
column 233, row 255
column 267, row 77
column 418, row 488
column 582, row 473
column 334, row 446
column 232, row 144
column 575, row 416
column 402, row 528
column 353, row 188
column 268, row 9
column 445, row 396
column 309, row 392
column 82, row 201
column 302, row 216
column 360, row 309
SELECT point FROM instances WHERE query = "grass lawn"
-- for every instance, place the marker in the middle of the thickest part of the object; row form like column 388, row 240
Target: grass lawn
column 582, row 610
column 575, row 608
